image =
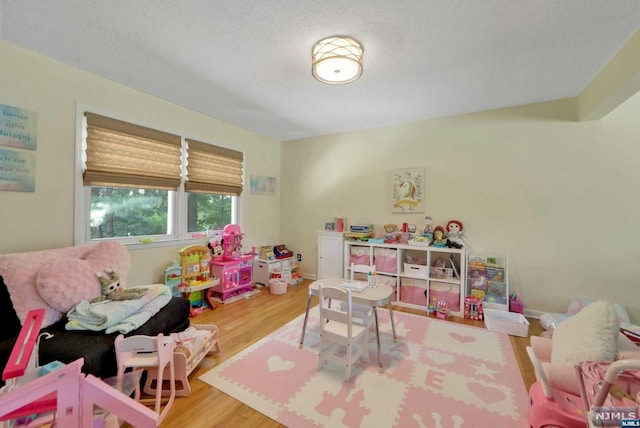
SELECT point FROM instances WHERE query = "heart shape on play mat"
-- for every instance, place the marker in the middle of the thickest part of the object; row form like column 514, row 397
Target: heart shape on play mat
column 440, row 358
column 487, row 394
column 277, row 364
column 462, row 338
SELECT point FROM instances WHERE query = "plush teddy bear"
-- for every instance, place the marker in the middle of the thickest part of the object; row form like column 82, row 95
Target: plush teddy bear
column 111, row 289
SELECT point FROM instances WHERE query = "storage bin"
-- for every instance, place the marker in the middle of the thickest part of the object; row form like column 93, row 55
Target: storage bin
column 449, row 293
column 412, row 291
column 385, row 260
column 506, row 322
column 360, row 256
column 412, row 294
column 415, row 271
column 277, row 286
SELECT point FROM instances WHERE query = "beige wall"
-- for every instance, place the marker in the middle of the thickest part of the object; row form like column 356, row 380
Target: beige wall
column 560, row 197
column 44, row 219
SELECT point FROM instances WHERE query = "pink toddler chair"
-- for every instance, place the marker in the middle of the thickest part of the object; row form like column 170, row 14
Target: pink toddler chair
column 551, row 406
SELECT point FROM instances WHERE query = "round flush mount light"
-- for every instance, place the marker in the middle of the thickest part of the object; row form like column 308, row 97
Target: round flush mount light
column 337, row 60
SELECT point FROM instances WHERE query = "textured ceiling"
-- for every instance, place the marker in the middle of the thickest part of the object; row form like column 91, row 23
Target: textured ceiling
column 248, row 62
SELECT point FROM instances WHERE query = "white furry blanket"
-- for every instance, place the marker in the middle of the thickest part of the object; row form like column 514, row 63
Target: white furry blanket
column 119, row 316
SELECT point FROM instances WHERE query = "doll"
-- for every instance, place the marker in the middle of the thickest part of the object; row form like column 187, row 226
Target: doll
column 439, row 240
column 454, row 234
column 427, row 231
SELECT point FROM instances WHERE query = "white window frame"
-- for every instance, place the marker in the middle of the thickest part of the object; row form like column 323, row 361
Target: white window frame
column 177, row 216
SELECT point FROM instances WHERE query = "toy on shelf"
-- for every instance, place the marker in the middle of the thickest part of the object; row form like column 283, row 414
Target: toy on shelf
column 428, row 231
column 233, row 267
column 439, row 239
column 455, row 238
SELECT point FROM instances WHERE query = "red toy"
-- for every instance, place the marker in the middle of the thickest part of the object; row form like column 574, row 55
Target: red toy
column 473, row 309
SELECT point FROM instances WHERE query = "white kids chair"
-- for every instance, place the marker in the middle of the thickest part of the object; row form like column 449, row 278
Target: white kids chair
column 363, row 314
column 338, row 331
column 148, row 353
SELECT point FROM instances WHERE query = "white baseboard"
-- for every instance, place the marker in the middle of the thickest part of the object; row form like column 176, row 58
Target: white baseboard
column 532, row 313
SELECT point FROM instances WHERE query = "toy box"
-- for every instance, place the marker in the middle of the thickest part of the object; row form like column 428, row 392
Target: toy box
column 506, row 322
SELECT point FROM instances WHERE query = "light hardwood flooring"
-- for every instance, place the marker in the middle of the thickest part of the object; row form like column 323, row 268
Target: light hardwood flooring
column 245, row 322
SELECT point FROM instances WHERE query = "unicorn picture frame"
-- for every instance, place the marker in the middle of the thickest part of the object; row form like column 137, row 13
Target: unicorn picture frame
column 407, row 190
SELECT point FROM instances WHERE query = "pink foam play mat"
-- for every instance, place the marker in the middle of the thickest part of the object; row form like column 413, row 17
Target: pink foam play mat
column 438, row 374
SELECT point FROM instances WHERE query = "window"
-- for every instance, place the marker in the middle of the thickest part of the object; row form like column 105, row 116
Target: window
column 133, row 179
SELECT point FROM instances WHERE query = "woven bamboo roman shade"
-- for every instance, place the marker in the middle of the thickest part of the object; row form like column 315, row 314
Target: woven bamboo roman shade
column 212, row 169
column 120, row 154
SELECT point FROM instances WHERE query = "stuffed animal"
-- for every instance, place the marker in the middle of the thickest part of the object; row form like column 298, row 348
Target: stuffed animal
column 455, row 238
column 111, row 289
column 215, row 245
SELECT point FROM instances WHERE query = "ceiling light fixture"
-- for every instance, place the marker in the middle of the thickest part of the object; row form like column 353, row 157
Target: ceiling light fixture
column 337, row 60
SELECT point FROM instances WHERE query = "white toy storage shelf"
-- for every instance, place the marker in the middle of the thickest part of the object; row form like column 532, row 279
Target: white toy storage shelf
column 417, row 273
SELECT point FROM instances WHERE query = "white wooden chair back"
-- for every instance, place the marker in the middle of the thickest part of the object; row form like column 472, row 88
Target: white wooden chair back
column 338, row 330
column 148, row 353
column 358, row 268
column 363, row 314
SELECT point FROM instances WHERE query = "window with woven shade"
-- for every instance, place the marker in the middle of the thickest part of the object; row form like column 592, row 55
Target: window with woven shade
column 121, row 154
column 130, row 184
column 213, row 169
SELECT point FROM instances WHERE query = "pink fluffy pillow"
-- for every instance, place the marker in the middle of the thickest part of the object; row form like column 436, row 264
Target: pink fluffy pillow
column 64, row 282
column 110, row 255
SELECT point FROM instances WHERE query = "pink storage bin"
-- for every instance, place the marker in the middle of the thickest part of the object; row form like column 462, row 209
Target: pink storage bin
column 413, row 294
column 385, row 260
column 360, row 256
column 450, row 293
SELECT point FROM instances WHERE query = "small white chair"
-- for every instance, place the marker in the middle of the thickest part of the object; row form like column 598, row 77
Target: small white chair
column 148, row 353
column 338, row 330
column 363, row 314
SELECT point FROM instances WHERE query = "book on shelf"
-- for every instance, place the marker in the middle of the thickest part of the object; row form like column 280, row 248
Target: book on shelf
column 497, row 292
column 477, row 275
column 495, row 273
column 454, row 266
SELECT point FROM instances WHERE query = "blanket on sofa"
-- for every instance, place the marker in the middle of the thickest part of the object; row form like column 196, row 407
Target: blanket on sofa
column 118, row 316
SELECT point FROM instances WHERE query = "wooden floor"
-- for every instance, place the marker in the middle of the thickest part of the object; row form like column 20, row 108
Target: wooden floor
column 245, row 322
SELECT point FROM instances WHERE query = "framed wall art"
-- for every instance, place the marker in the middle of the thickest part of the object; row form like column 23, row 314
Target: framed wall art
column 261, row 185
column 407, row 190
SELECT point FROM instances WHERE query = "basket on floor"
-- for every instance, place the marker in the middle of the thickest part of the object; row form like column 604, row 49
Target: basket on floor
column 277, row 286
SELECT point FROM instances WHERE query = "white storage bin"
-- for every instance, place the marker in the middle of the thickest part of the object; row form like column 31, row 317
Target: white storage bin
column 506, row 322
column 415, row 271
